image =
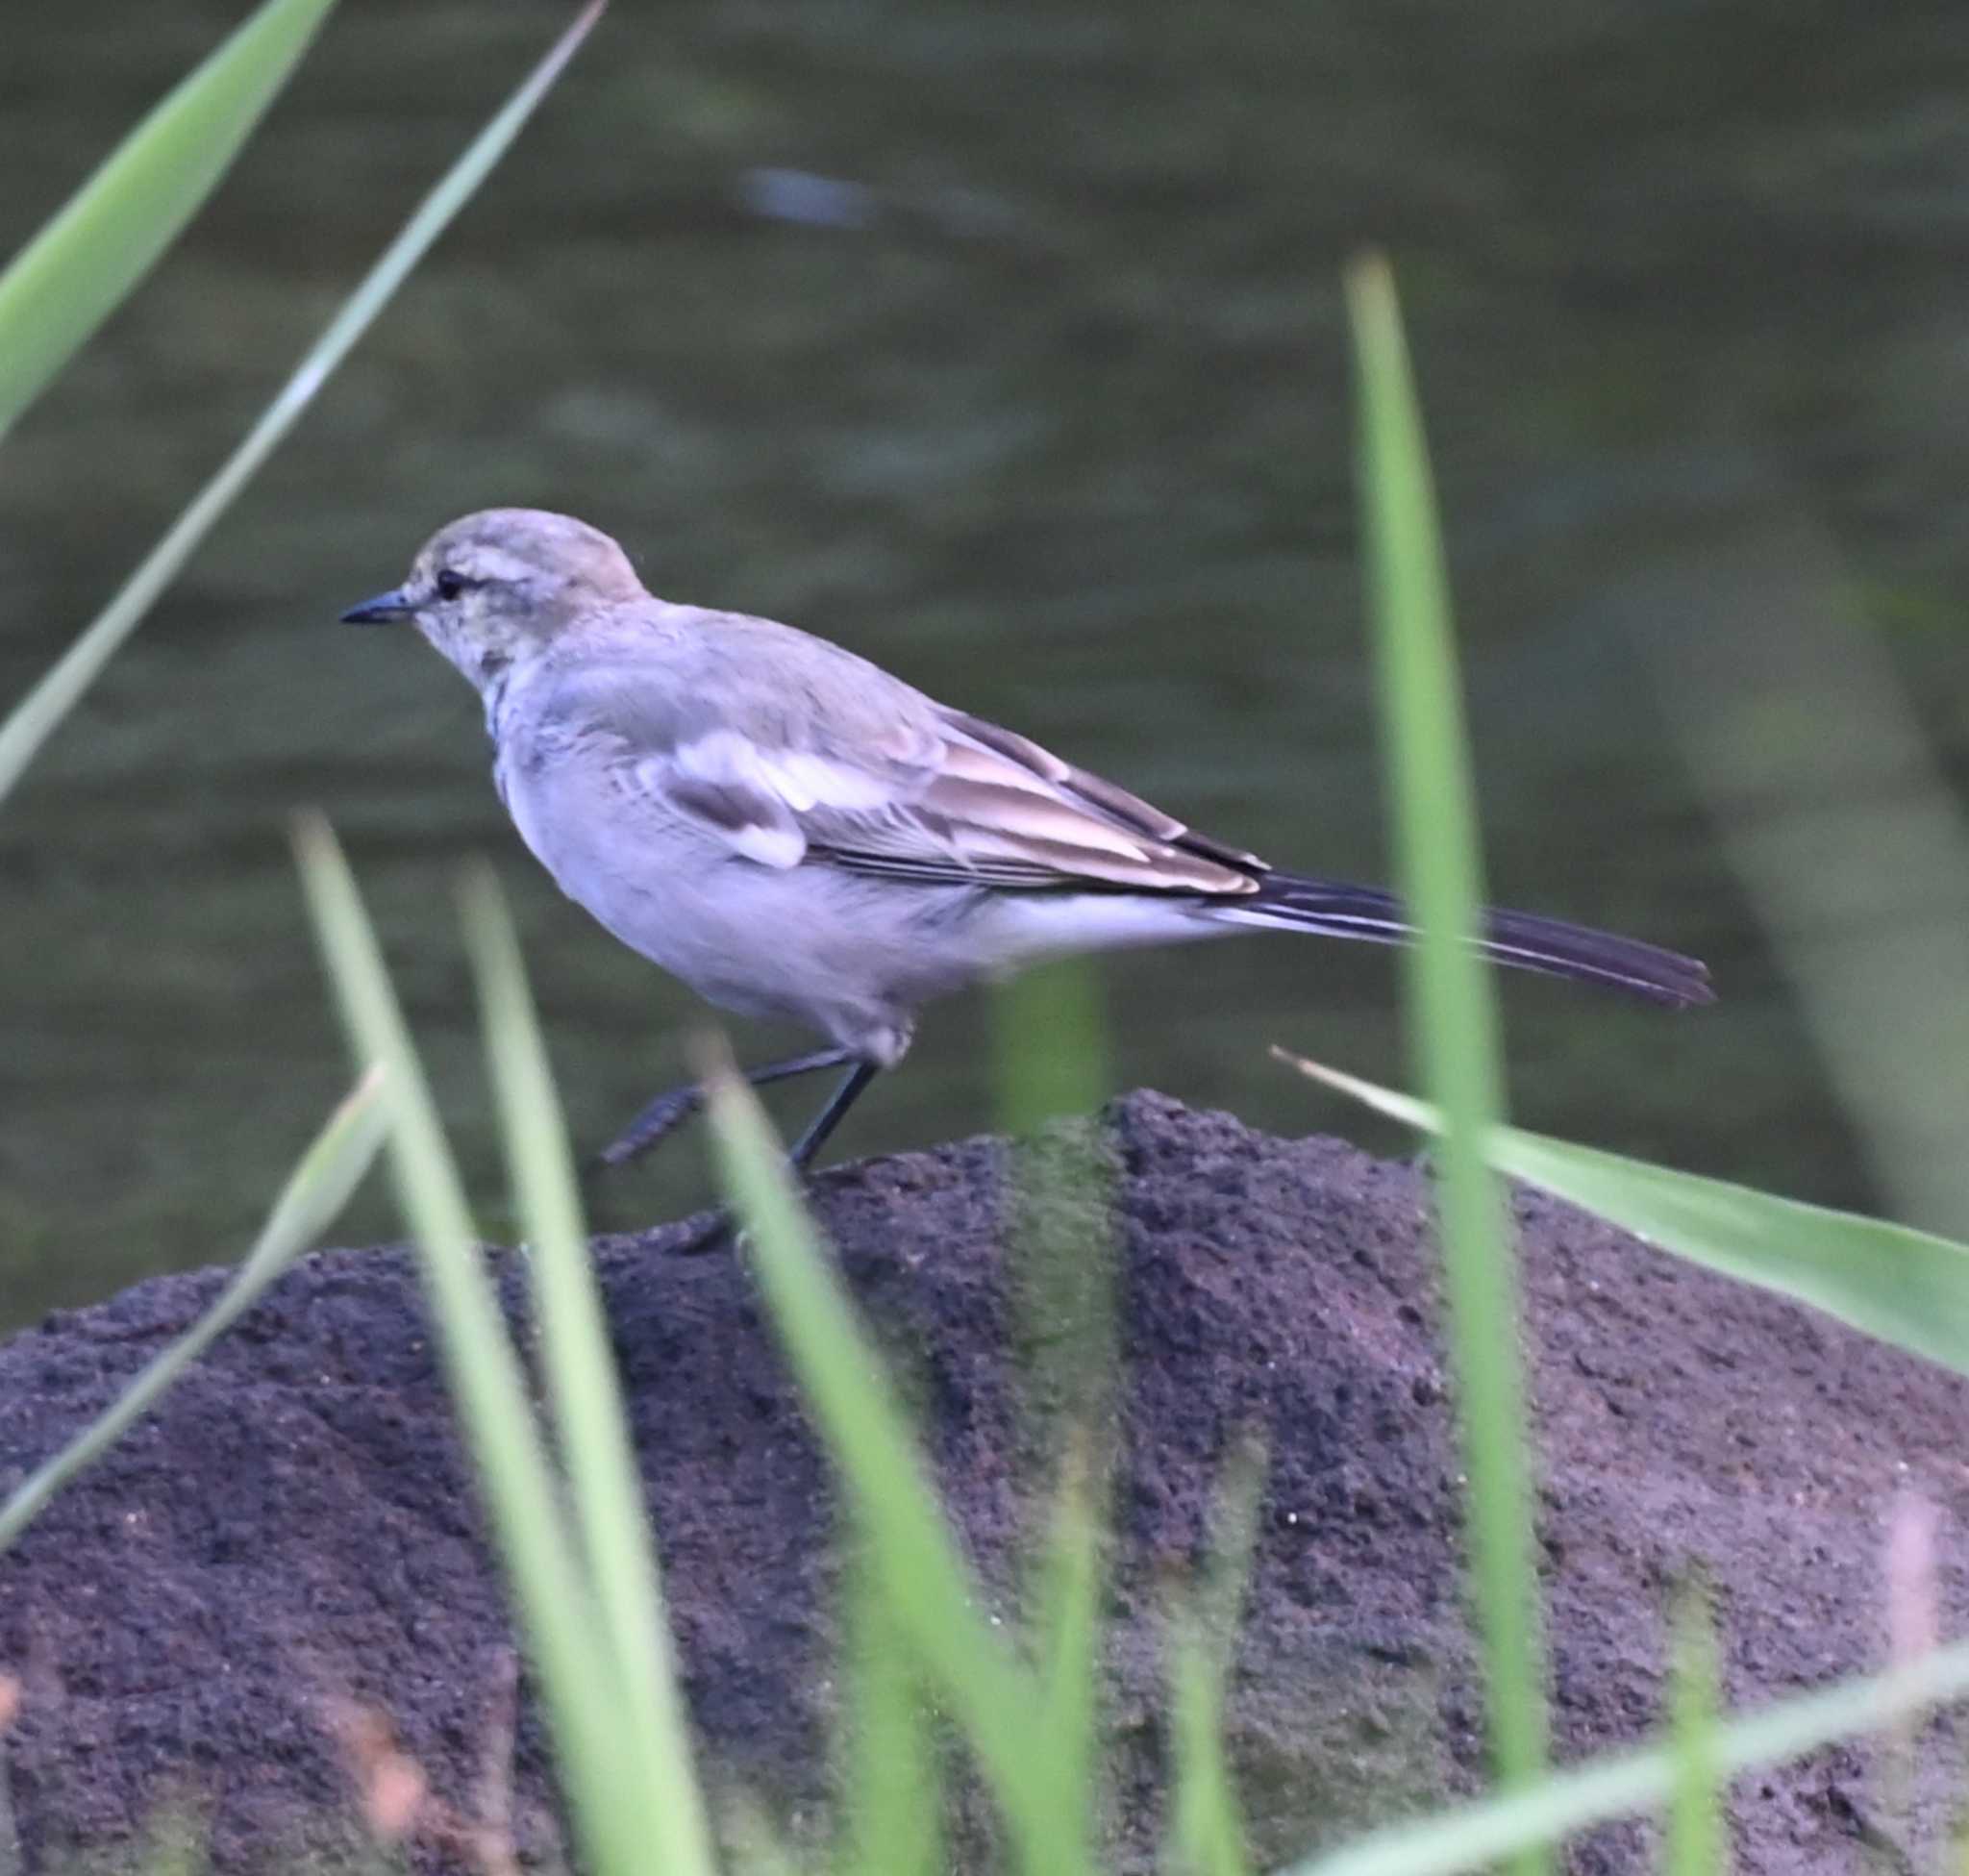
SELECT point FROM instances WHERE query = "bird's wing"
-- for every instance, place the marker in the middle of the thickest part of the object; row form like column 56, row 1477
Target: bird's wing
column 908, row 789
column 1024, row 816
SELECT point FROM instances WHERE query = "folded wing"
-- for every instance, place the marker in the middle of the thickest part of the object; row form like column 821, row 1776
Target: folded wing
column 948, row 800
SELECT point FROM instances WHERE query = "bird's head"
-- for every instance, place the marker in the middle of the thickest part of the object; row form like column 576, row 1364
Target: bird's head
column 502, row 584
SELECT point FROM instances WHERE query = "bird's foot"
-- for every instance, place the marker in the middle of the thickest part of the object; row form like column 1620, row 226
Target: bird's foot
column 718, row 1230
column 653, row 1124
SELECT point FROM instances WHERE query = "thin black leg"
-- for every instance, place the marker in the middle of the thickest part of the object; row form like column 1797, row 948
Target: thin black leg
column 717, row 1232
column 832, row 1116
column 670, row 1111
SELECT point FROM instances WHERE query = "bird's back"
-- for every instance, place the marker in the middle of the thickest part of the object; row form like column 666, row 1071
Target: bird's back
column 666, row 673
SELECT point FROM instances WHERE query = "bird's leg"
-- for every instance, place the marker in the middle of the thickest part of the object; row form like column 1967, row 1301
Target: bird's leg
column 716, row 1231
column 670, row 1111
column 830, row 1116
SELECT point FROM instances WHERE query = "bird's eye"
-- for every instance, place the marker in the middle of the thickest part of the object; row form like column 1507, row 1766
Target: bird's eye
column 449, row 584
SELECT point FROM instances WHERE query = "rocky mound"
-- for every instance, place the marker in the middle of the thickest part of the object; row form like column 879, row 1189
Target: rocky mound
column 296, row 1530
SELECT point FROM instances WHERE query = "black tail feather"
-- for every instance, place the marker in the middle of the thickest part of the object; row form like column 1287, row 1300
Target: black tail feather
column 1520, row 939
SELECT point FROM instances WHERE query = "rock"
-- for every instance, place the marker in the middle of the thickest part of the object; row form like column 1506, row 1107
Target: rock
column 296, row 1529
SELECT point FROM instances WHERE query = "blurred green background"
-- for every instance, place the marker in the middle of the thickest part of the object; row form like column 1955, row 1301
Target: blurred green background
column 1003, row 343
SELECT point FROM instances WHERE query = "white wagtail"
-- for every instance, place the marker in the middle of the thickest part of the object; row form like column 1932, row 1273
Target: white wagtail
column 795, row 832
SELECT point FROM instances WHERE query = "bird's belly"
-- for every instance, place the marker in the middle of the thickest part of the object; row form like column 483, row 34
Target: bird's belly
column 849, row 956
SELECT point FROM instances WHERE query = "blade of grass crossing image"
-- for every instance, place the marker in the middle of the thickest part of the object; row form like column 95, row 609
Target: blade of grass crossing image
column 1451, row 1013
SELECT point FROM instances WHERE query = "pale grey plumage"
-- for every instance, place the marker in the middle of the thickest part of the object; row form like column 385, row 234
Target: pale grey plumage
column 794, row 832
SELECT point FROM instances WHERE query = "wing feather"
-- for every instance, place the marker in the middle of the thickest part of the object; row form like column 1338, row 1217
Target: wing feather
column 921, row 792
column 1059, row 777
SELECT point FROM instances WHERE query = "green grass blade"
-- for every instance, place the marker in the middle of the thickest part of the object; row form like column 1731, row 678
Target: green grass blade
column 1905, row 1287
column 1624, row 1784
column 611, row 1809
column 586, row 1395
column 313, row 1196
column 1068, row 1640
column 1207, row 1825
column 1049, row 1044
column 73, row 274
column 894, row 1785
column 758, row 1847
column 1206, row 1832
column 37, row 717
column 933, row 1594
column 1050, row 1048
column 1454, row 1015
column 1697, row 1835
column 1780, row 637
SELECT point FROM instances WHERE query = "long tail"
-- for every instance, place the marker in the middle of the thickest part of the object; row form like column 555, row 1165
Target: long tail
column 1292, row 902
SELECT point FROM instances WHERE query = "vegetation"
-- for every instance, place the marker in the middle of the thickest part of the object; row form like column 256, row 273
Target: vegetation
column 586, row 1580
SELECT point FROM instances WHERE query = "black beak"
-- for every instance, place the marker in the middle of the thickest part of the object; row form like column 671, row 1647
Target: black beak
column 386, row 608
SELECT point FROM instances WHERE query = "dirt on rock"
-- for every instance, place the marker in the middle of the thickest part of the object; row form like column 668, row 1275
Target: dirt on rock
column 294, row 1536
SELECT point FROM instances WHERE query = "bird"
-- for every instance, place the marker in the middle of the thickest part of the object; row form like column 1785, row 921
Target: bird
column 795, row 832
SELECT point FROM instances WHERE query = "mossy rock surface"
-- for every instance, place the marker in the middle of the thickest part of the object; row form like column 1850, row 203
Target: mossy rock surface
column 296, row 1527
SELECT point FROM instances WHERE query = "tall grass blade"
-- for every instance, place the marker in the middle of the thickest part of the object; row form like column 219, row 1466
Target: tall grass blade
column 1454, row 1015
column 1207, row 1824
column 1473, row 1835
column 1207, row 1831
column 37, row 717
column 758, row 1849
column 931, row 1591
column 1067, row 1644
column 1905, row 1287
column 1852, row 850
column 310, row 1202
column 1049, row 1044
column 73, row 274
column 895, row 1783
column 1050, row 1048
column 570, row 1647
column 586, row 1393
column 1698, row 1834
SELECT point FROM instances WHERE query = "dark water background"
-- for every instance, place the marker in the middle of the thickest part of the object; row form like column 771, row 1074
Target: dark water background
column 1047, row 408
